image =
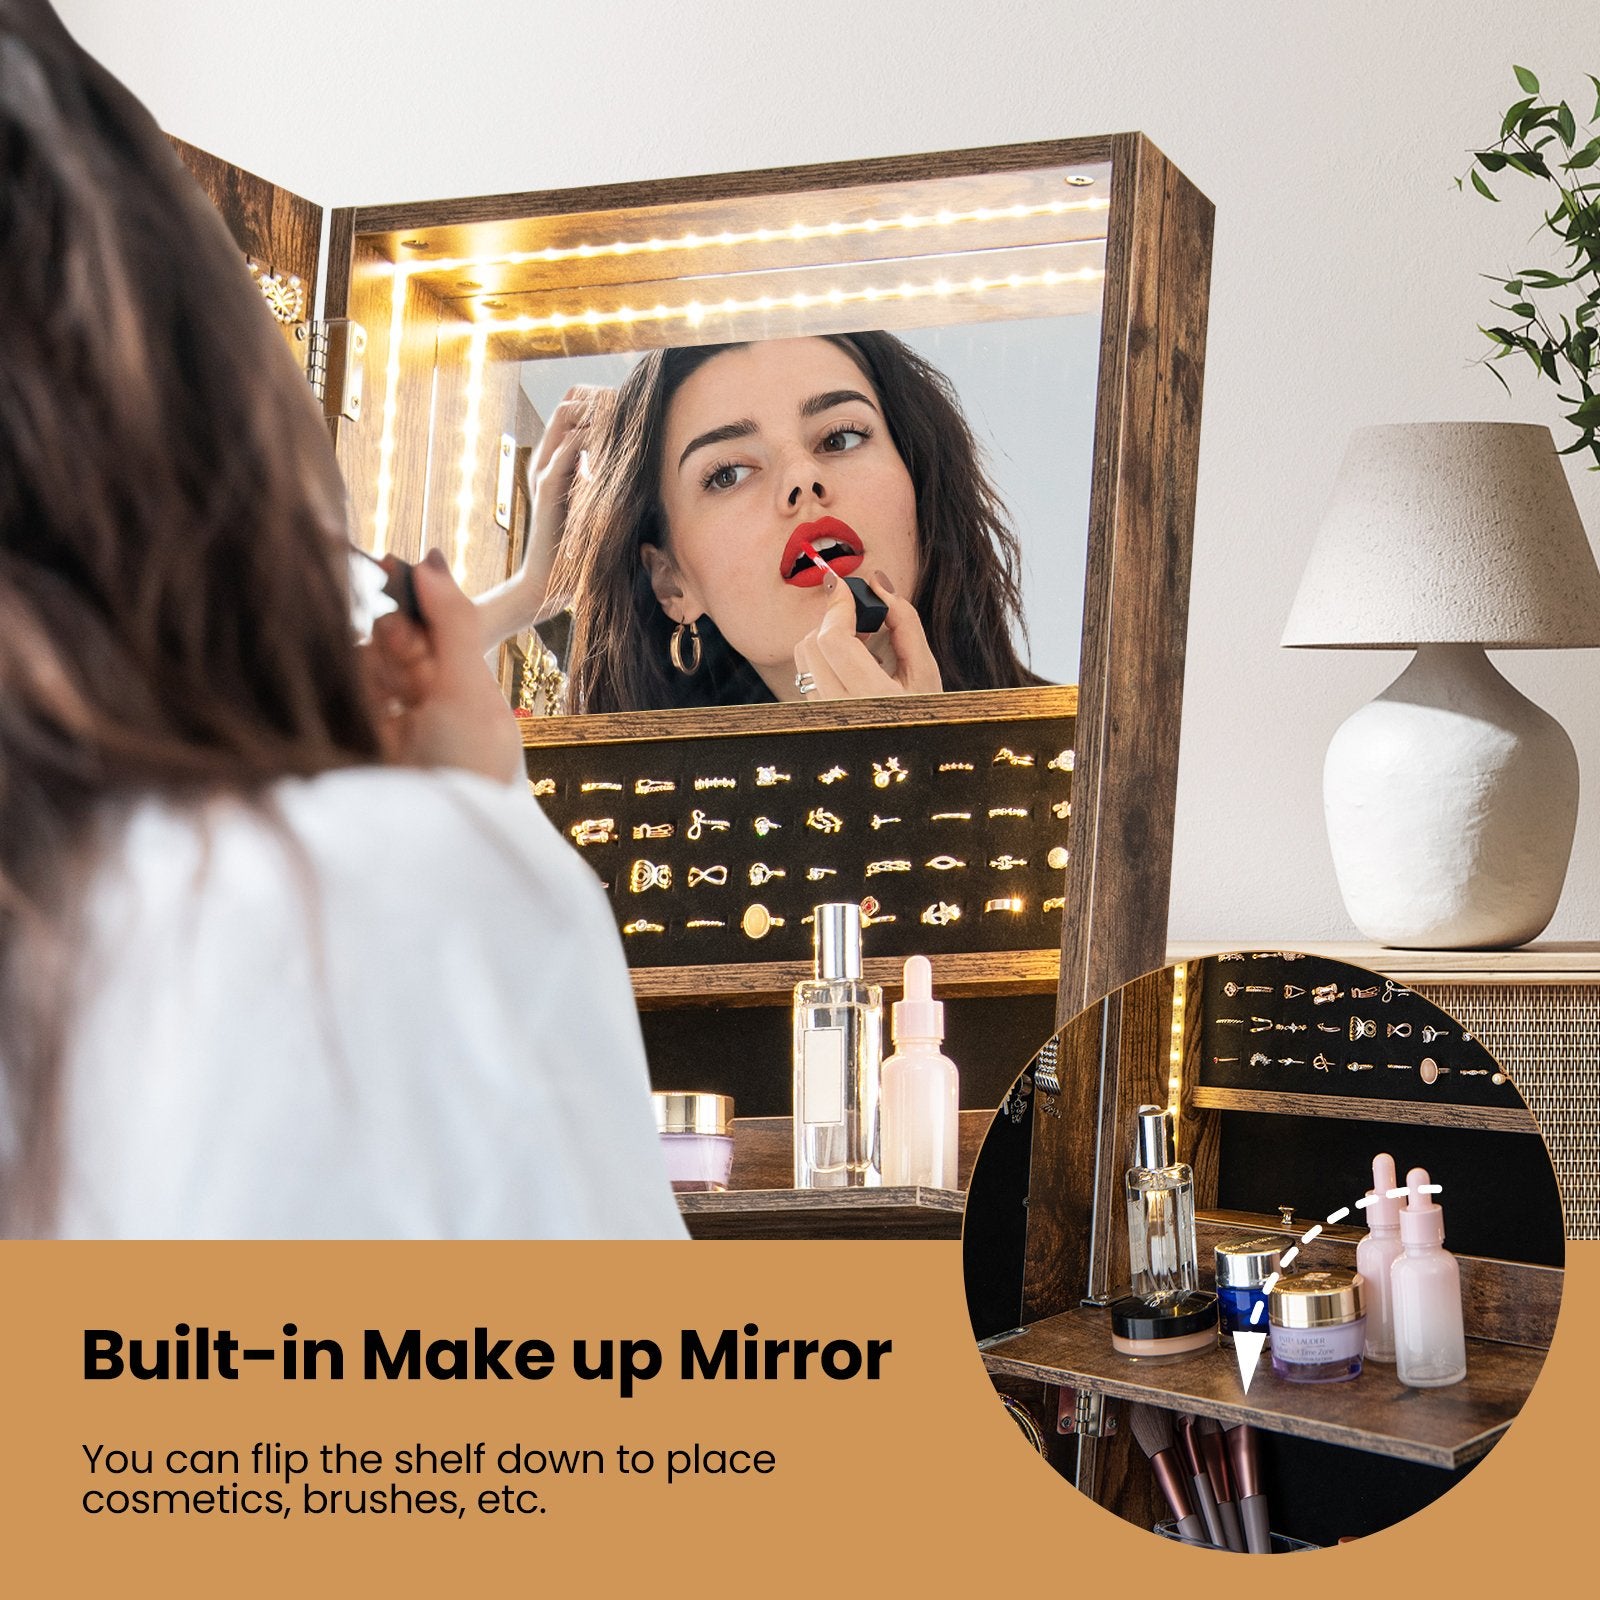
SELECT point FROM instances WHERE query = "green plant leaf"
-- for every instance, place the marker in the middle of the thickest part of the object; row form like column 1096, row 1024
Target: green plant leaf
column 1514, row 115
column 1530, row 84
column 1490, row 160
column 1528, row 161
column 1537, row 278
column 1596, row 82
column 1482, row 187
column 1512, row 286
column 1524, row 308
column 1547, row 363
column 1500, row 378
column 1566, row 124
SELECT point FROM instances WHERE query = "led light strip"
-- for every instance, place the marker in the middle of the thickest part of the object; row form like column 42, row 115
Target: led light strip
column 798, row 231
column 694, row 313
column 391, row 404
column 1180, row 1001
column 469, row 452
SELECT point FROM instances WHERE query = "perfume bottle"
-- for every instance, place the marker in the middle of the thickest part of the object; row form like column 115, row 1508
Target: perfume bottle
column 1162, row 1248
column 838, row 1056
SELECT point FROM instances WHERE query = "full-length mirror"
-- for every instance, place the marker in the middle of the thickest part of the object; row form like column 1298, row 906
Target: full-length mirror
column 953, row 323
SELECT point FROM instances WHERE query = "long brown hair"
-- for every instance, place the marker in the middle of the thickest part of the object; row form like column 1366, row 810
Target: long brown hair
column 969, row 592
column 173, row 615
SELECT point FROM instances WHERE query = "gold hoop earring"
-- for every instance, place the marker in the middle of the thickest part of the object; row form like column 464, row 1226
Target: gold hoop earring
column 675, row 648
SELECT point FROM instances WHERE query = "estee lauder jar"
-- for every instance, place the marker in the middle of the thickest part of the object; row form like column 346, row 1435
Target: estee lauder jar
column 1319, row 1325
column 696, row 1139
column 1243, row 1266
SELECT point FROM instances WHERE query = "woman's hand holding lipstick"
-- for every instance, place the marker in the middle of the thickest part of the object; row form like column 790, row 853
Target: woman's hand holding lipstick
column 435, row 701
column 896, row 661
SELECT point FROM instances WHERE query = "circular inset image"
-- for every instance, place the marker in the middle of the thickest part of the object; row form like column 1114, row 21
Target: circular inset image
column 1264, row 1252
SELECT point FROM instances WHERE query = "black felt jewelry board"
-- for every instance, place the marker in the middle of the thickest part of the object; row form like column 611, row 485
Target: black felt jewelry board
column 957, row 829
column 1291, row 1023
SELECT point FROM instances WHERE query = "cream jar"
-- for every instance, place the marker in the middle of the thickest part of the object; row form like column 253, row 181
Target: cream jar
column 1243, row 1267
column 696, row 1139
column 1319, row 1325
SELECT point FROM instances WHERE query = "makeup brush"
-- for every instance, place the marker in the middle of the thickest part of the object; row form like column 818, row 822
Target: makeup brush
column 1153, row 1429
column 1189, row 1438
column 1252, row 1502
column 1215, row 1453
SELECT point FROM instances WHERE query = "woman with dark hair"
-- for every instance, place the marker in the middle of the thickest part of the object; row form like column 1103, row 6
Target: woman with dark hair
column 683, row 546
column 286, row 948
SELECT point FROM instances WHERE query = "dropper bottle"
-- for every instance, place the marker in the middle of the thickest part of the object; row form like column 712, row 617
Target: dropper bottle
column 1376, row 1254
column 921, row 1089
column 1430, row 1347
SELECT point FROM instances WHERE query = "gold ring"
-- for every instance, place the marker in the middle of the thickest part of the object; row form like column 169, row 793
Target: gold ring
column 647, row 875
column 1005, row 902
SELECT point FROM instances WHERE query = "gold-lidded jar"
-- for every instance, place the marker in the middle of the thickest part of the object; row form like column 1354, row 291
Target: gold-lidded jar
column 1319, row 1325
column 696, row 1130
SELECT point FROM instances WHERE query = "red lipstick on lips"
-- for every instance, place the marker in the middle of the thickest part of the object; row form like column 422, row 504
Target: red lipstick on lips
column 827, row 540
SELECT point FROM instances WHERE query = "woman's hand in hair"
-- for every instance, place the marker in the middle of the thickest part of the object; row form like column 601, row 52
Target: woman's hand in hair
column 525, row 597
column 895, row 660
column 435, row 700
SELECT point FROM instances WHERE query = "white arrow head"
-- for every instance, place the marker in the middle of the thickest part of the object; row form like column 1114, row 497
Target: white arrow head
column 1247, row 1347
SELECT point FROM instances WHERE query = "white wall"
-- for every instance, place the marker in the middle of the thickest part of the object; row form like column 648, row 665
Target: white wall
column 1346, row 286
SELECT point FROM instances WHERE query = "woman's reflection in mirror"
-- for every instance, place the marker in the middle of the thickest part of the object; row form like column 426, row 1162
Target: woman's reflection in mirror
column 725, row 493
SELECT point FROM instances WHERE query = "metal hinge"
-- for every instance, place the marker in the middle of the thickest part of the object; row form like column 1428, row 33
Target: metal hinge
column 1084, row 1412
column 333, row 357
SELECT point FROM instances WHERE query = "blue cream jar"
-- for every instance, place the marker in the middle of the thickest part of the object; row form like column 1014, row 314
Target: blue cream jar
column 1243, row 1266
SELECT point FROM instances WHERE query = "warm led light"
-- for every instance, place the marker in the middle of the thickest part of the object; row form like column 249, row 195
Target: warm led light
column 469, row 452
column 695, row 313
column 384, row 501
column 907, row 222
column 1180, row 999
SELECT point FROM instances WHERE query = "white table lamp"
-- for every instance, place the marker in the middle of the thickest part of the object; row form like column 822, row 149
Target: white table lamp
column 1451, row 799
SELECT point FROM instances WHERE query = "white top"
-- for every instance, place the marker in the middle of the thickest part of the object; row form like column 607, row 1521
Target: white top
column 403, row 1013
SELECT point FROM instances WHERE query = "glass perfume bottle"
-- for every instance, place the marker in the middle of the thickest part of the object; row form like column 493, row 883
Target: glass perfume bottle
column 838, row 1057
column 1162, row 1248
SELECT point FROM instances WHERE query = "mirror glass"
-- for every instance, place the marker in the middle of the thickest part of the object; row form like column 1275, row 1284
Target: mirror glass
column 995, row 280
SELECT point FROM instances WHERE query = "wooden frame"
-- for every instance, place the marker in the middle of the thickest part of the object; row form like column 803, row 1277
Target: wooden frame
column 1157, row 270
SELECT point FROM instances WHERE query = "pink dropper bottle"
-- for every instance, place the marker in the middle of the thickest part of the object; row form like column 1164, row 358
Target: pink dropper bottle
column 1376, row 1254
column 1430, row 1347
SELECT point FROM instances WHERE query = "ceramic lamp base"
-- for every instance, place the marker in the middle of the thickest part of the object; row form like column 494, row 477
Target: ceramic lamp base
column 1452, row 801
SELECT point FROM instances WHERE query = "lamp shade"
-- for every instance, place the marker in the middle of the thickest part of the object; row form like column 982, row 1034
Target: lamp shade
column 1449, row 533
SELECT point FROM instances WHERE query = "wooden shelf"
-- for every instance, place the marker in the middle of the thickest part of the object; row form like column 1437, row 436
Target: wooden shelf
column 1447, row 1427
column 1497, row 1119
column 771, row 983
column 908, row 1213
column 1554, row 962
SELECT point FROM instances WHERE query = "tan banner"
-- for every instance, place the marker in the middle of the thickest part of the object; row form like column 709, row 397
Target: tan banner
column 725, row 1468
